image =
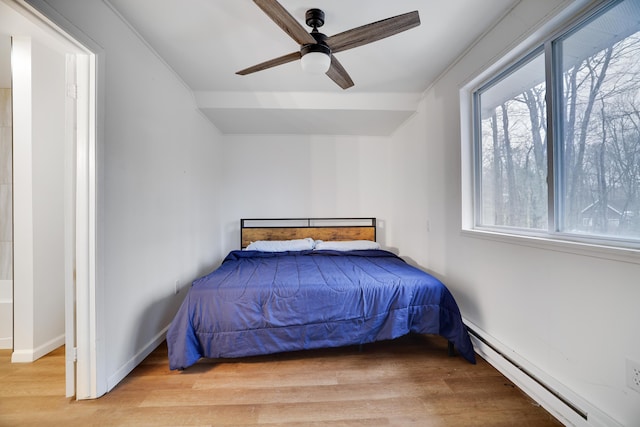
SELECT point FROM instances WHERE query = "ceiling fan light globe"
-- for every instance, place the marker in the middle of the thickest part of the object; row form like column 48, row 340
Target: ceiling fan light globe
column 315, row 62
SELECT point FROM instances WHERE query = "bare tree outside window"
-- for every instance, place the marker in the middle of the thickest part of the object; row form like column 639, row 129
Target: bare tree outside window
column 601, row 144
column 513, row 149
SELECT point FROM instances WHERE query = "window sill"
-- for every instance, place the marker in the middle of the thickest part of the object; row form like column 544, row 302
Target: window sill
column 629, row 255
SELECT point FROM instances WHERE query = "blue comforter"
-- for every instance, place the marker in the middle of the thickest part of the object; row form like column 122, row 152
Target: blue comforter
column 260, row 303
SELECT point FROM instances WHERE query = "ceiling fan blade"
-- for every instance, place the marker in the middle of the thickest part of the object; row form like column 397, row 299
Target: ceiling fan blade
column 284, row 20
column 338, row 74
column 271, row 63
column 373, row 32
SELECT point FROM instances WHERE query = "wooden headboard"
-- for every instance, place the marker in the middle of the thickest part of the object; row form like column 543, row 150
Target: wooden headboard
column 253, row 229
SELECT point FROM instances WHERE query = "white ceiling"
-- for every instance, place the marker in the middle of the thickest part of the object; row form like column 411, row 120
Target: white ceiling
column 206, row 41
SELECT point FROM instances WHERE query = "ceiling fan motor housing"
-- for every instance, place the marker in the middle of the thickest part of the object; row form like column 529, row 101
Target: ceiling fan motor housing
column 314, row 18
column 320, row 45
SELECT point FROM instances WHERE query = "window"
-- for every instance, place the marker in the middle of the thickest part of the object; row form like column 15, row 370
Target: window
column 570, row 168
column 512, row 147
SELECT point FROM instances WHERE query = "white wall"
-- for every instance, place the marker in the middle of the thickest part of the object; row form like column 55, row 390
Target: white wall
column 303, row 176
column 571, row 317
column 270, row 176
column 160, row 196
column 38, row 199
column 48, row 68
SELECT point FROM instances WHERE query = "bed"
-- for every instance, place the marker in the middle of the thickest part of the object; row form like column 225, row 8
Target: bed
column 299, row 284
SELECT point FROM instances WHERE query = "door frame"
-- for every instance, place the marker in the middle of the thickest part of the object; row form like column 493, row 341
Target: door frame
column 84, row 328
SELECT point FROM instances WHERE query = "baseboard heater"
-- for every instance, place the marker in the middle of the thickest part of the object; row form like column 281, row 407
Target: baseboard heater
column 548, row 388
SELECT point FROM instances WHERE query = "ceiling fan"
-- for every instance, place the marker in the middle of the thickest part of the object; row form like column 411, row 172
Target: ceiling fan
column 317, row 50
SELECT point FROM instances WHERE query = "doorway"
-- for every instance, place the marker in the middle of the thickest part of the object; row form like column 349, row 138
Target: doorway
column 53, row 128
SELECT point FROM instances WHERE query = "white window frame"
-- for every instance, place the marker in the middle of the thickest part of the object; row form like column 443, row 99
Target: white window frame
column 551, row 239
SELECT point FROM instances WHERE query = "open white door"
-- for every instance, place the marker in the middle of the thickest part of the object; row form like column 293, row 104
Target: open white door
column 88, row 385
column 70, row 225
column 78, row 237
column 80, row 324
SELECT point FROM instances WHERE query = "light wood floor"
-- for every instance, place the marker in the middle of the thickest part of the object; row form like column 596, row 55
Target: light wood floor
column 407, row 382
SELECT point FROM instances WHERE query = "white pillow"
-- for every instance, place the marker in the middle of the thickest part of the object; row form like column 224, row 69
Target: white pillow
column 346, row 245
column 281, row 245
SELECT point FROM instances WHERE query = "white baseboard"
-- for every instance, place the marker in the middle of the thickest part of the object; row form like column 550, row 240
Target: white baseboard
column 569, row 408
column 31, row 355
column 121, row 373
